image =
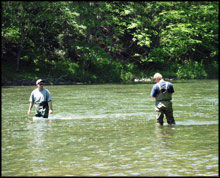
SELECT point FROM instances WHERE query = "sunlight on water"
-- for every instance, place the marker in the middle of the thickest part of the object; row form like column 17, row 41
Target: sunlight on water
column 110, row 130
column 67, row 116
column 197, row 122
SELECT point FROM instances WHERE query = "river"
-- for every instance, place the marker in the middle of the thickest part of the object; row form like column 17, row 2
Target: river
column 110, row 130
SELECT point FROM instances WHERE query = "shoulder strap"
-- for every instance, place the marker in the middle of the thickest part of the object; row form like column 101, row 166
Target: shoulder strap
column 160, row 86
column 166, row 85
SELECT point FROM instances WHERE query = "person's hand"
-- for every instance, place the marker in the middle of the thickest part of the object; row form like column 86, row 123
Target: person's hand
column 29, row 111
column 51, row 111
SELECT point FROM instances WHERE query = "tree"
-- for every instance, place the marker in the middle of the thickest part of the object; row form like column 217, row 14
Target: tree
column 87, row 38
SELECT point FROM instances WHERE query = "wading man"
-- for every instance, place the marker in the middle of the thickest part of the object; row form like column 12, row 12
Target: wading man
column 162, row 92
column 41, row 98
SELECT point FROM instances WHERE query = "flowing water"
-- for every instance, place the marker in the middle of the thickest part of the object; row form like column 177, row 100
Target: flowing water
column 110, row 130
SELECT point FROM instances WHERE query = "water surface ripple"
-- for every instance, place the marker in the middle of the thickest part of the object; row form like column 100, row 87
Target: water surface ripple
column 109, row 130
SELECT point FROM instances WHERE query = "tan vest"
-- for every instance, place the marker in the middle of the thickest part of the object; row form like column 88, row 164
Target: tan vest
column 163, row 95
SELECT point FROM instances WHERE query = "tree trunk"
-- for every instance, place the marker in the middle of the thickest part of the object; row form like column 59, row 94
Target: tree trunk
column 20, row 49
column 21, row 24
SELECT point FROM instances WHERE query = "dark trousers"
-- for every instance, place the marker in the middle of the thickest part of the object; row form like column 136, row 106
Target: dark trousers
column 164, row 108
column 42, row 110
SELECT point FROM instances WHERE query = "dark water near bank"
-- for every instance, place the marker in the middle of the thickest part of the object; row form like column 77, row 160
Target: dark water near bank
column 109, row 130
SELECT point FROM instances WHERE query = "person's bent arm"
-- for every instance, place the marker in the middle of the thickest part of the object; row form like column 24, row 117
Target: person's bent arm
column 30, row 107
column 50, row 107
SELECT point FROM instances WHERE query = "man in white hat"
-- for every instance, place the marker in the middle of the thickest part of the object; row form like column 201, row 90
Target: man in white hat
column 41, row 98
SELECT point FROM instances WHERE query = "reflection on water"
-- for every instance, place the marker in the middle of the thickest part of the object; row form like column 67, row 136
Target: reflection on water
column 110, row 130
column 37, row 134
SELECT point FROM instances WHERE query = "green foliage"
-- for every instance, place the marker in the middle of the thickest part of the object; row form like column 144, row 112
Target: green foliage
column 105, row 41
column 191, row 70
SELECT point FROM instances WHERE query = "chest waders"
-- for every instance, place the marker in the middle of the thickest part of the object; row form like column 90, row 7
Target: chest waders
column 42, row 109
column 163, row 105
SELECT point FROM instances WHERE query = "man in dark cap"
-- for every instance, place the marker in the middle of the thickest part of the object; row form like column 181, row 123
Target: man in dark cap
column 41, row 98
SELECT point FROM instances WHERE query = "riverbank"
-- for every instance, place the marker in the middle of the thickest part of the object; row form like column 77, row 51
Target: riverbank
column 27, row 77
column 29, row 82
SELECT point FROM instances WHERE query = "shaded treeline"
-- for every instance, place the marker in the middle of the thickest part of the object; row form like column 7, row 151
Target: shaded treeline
column 98, row 41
